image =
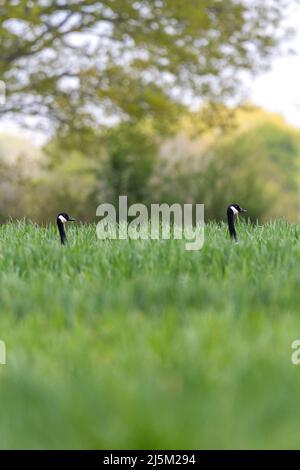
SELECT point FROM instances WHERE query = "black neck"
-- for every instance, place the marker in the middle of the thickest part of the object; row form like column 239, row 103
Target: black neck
column 62, row 232
column 231, row 227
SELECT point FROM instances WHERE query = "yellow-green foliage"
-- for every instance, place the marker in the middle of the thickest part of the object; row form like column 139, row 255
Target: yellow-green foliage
column 255, row 162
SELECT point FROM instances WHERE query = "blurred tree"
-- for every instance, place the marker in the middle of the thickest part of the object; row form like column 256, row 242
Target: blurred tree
column 14, row 186
column 68, row 187
column 116, row 161
column 19, row 164
column 131, row 151
column 255, row 164
column 74, row 62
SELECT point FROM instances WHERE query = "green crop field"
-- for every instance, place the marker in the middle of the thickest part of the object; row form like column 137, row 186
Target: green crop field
column 141, row 344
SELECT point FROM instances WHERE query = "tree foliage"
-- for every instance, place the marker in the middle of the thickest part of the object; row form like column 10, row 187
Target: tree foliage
column 77, row 61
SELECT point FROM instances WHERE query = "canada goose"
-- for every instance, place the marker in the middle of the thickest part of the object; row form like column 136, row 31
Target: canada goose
column 61, row 219
column 232, row 211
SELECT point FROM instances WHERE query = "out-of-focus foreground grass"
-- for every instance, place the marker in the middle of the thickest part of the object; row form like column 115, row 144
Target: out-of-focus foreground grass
column 141, row 344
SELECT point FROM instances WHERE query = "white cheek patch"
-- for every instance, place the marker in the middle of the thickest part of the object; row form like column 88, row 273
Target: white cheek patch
column 234, row 210
column 62, row 219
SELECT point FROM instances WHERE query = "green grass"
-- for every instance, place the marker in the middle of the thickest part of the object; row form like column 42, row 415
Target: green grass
column 122, row 344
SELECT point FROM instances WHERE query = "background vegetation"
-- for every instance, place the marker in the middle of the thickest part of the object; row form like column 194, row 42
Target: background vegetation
column 255, row 161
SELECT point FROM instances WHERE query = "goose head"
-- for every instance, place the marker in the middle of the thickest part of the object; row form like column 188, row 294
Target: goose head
column 63, row 217
column 235, row 209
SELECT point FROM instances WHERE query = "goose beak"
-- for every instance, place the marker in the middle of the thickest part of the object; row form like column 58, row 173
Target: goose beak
column 71, row 219
column 243, row 210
